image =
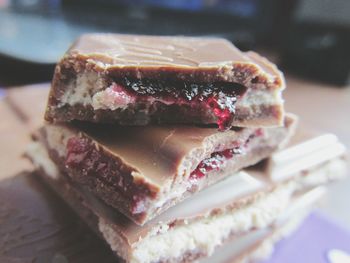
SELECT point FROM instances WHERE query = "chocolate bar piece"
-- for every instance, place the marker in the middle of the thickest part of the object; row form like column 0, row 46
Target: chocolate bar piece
column 63, row 237
column 142, row 171
column 138, row 80
column 194, row 228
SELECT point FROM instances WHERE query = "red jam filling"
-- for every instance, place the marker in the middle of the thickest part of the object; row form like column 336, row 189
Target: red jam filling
column 217, row 159
column 83, row 157
column 219, row 97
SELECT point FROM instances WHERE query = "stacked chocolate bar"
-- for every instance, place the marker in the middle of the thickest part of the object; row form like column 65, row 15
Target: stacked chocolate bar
column 147, row 139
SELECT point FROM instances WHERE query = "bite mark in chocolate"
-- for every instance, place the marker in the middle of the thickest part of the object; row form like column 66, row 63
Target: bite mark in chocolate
column 218, row 97
column 142, row 171
column 218, row 159
column 182, row 81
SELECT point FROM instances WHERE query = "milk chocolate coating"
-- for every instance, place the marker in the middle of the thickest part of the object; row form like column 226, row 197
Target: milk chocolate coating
column 227, row 196
column 36, row 226
column 154, row 52
column 112, row 58
column 83, row 202
column 147, row 165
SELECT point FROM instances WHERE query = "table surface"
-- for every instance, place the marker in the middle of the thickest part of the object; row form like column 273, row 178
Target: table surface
column 320, row 107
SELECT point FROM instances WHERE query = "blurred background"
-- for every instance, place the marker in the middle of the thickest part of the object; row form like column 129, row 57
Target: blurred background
column 310, row 38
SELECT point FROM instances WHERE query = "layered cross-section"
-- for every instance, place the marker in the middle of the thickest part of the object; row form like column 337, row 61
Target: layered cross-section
column 246, row 203
column 144, row 171
column 138, row 80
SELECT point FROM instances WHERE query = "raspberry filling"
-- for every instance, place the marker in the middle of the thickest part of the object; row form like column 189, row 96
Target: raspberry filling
column 218, row 97
column 83, row 157
column 218, row 159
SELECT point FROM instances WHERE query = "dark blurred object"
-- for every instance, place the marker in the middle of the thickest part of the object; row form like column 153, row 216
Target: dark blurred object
column 38, row 32
column 237, row 20
column 14, row 72
column 317, row 44
column 312, row 35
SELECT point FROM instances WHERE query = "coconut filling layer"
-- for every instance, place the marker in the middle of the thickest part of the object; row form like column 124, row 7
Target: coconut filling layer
column 41, row 160
column 259, row 244
column 204, row 235
column 264, row 249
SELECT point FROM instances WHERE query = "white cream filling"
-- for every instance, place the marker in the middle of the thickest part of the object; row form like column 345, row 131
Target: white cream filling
column 79, row 91
column 40, row 158
column 259, row 244
column 293, row 219
column 206, row 234
column 260, row 97
column 209, row 232
column 57, row 138
column 265, row 249
column 114, row 241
